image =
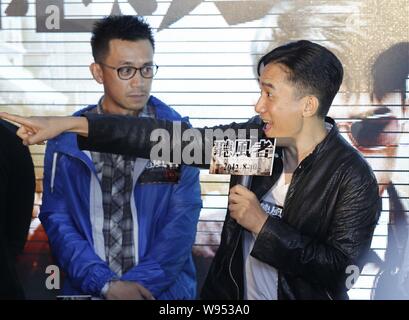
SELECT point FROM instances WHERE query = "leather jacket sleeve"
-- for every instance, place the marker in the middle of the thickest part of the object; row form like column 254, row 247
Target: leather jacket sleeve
column 324, row 261
column 139, row 136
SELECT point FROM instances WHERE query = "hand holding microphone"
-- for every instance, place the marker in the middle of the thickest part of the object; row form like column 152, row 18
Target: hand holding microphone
column 245, row 207
column 242, row 157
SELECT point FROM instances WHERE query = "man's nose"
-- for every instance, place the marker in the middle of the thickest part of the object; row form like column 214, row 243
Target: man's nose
column 137, row 80
column 260, row 106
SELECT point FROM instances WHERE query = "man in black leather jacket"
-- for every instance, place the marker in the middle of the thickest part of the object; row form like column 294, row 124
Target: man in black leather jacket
column 326, row 192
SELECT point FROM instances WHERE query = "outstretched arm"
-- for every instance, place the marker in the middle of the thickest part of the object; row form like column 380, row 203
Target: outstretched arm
column 35, row 130
column 142, row 137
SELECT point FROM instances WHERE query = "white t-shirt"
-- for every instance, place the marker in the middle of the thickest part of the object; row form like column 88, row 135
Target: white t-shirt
column 261, row 279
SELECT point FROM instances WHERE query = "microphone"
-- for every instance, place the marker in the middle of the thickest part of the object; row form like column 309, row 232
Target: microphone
column 245, row 181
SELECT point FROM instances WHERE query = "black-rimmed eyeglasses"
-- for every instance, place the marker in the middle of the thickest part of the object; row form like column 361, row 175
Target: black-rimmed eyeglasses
column 128, row 72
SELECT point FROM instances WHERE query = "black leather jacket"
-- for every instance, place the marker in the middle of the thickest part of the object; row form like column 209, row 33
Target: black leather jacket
column 330, row 212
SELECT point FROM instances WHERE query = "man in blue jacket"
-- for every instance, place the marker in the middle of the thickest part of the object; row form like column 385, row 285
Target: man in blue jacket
column 121, row 227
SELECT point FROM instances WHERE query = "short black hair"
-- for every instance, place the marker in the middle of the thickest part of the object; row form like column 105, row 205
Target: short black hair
column 312, row 68
column 123, row 27
column 390, row 71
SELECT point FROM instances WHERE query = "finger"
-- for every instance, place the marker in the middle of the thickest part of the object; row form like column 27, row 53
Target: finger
column 243, row 192
column 233, row 191
column 235, row 214
column 30, row 136
column 240, row 192
column 36, row 139
column 235, row 188
column 239, row 189
column 235, row 210
column 23, row 134
column 14, row 118
column 235, row 198
column 146, row 294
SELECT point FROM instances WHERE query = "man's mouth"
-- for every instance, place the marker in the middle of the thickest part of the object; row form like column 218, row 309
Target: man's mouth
column 267, row 125
column 137, row 96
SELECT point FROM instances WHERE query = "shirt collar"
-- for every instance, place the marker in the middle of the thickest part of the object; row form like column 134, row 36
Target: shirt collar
column 146, row 112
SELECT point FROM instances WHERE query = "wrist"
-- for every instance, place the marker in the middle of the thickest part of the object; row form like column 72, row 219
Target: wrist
column 261, row 221
column 79, row 125
column 106, row 287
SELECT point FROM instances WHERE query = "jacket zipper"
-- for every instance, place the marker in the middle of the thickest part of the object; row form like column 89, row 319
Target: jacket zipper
column 290, row 191
column 329, row 296
column 54, row 166
column 230, row 263
column 53, row 170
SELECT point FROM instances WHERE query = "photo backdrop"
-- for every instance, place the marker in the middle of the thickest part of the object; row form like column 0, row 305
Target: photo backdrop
column 207, row 51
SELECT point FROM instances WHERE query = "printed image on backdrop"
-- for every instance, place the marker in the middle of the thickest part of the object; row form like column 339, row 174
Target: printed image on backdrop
column 207, row 53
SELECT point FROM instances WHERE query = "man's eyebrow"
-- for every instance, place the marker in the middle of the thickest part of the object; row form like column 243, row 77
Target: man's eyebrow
column 129, row 63
column 269, row 85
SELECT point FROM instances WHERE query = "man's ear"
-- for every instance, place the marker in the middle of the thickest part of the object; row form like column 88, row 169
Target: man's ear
column 311, row 106
column 96, row 72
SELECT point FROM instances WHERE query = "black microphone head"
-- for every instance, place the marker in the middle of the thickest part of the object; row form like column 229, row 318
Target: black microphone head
column 245, row 181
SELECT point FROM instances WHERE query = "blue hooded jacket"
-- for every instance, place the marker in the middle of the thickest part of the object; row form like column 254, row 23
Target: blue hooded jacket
column 72, row 216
